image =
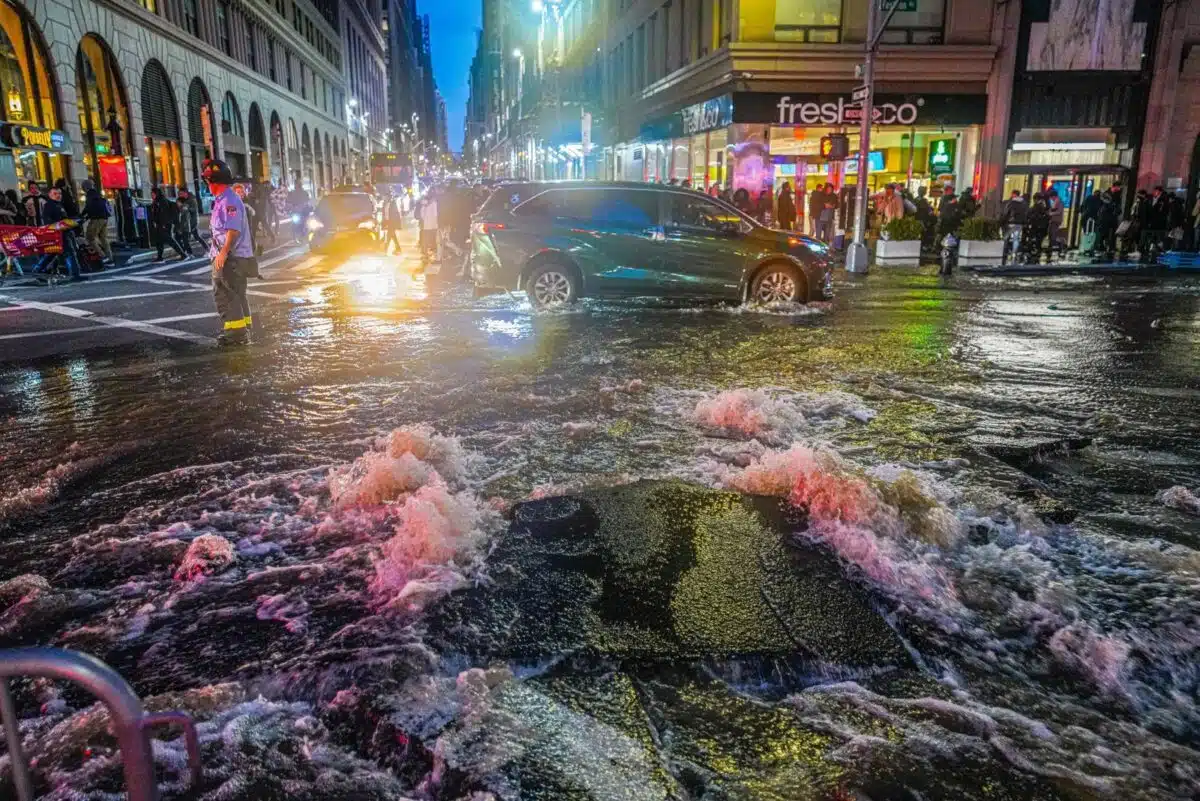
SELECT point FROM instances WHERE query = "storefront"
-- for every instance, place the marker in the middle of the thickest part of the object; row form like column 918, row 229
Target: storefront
column 756, row 141
column 160, row 123
column 32, row 147
column 233, row 136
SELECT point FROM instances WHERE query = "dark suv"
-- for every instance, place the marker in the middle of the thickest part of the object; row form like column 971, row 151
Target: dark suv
column 563, row 241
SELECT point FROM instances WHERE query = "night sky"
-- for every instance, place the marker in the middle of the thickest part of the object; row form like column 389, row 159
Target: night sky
column 453, row 24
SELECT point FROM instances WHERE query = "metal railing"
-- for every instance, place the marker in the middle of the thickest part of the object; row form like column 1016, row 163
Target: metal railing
column 129, row 721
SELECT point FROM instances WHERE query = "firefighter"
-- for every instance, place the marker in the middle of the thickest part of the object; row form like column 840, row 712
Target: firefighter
column 231, row 252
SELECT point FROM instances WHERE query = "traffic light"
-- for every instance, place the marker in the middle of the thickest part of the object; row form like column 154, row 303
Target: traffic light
column 835, row 147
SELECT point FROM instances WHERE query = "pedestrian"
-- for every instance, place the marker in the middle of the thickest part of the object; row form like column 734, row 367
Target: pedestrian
column 787, row 207
column 924, row 215
column 299, row 208
column 826, row 214
column 890, row 205
column 1012, row 219
column 1108, row 222
column 967, row 204
column 741, row 200
column 727, row 194
column 33, row 202
column 9, row 208
column 189, row 220
column 1176, row 221
column 54, row 212
column 949, row 213
column 1035, row 230
column 687, row 183
column 1054, row 206
column 391, row 223
column 232, row 256
column 1153, row 216
column 70, row 200
column 163, row 216
column 97, row 211
column 428, row 215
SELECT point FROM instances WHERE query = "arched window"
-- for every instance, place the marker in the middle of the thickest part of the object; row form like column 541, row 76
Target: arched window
column 28, row 96
column 160, row 123
column 102, row 103
column 258, row 144
column 231, row 117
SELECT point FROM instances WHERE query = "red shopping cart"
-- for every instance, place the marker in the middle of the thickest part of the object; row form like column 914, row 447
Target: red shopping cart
column 19, row 241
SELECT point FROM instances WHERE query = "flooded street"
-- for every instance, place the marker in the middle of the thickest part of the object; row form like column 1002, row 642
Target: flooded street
column 930, row 540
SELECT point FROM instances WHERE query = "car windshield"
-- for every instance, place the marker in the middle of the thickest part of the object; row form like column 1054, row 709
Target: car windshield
column 347, row 206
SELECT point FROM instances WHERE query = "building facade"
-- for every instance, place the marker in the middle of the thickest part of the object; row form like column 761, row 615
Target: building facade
column 991, row 94
column 366, row 105
column 137, row 94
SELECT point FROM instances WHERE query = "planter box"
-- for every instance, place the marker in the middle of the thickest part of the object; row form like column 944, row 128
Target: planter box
column 977, row 253
column 891, row 253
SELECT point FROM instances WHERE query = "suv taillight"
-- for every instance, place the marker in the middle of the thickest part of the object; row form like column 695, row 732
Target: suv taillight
column 485, row 228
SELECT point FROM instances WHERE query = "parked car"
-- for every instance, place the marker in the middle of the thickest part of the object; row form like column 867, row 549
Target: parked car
column 560, row 241
column 343, row 218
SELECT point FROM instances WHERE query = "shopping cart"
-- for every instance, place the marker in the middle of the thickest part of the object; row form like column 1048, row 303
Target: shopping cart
column 21, row 241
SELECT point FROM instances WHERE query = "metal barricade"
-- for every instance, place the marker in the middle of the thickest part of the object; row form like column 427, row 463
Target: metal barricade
column 129, row 721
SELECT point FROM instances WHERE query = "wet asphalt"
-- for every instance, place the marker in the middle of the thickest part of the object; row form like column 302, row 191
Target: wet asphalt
column 653, row 636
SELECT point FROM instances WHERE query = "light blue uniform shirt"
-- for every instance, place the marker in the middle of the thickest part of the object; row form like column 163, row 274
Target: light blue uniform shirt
column 229, row 214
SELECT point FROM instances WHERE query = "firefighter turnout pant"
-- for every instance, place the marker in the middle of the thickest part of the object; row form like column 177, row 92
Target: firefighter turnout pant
column 229, row 292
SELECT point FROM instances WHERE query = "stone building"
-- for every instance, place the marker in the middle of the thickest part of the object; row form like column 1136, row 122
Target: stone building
column 137, row 94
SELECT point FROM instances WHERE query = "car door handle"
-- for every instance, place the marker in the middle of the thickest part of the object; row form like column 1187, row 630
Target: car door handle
column 655, row 233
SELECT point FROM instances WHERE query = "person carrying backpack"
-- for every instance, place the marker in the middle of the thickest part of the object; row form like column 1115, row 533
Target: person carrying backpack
column 96, row 212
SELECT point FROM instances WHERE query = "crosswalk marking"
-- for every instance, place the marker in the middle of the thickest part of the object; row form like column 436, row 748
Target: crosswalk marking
column 308, row 264
column 172, row 266
column 262, row 265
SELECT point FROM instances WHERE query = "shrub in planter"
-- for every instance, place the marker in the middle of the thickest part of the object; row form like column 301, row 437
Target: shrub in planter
column 900, row 245
column 980, row 229
column 904, row 229
column 979, row 243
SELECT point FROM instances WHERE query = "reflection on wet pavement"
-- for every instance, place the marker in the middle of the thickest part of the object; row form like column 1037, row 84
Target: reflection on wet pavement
column 930, row 541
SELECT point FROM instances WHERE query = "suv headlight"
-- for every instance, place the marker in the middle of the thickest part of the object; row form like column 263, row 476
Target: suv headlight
column 313, row 224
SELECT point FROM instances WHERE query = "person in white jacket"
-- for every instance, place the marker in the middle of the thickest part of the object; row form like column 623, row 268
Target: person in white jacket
column 428, row 215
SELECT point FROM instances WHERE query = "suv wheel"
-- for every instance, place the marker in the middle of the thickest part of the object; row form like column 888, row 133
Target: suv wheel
column 778, row 283
column 551, row 286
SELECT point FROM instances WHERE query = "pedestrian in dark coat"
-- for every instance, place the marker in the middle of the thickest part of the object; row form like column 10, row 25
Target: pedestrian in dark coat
column 70, row 200
column 787, row 207
column 163, row 215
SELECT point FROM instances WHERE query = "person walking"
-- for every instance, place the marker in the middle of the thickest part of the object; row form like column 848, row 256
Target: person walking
column 890, row 205
column 231, row 253
column 428, row 215
column 1153, row 216
column 391, row 223
column 949, row 213
column 924, row 215
column 163, row 216
column 10, row 213
column 1012, row 220
column 1054, row 206
column 33, row 202
column 826, row 213
column 787, row 207
column 53, row 211
column 189, row 220
column 1036, row 229
column 1108, row 221
column 97, row 211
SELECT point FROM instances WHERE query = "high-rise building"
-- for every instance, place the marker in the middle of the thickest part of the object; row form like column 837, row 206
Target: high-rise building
column 140, row 93
column 366, row 82
column 405, row 78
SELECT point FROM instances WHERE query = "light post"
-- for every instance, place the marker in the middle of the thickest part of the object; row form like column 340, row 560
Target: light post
column 857, row 255
column 520, row 57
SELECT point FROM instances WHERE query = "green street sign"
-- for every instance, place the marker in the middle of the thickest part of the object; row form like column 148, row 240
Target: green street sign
column 903, row 5
column 941, row 156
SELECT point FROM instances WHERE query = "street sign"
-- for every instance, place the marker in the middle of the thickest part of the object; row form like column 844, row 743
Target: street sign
column 860, row 94
column 901, row 5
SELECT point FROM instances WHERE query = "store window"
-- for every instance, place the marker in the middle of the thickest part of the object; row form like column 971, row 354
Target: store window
column 923, row 26
column 808, row 21
column 100, row 99
column 160, row 122
column 697, row 214
column 191, row 17
column 26, row 96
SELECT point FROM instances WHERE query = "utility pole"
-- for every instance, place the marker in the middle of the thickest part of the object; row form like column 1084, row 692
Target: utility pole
column 857, row 255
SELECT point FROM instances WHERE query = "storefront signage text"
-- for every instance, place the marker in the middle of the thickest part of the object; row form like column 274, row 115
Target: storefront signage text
column 842, row 112
column 28, row 137
column 837, row 109
column 941, row 156
column 710, row 115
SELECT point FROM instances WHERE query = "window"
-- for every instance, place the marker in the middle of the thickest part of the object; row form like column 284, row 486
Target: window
column 303, row 81
column 251, row 47
column 149, row 5
column 191, row 17
column 808, row 21
column 223, row 38
column 287, row 68
column 634, row 208
column 923, row 26
column 271, row 71
column 698, row 214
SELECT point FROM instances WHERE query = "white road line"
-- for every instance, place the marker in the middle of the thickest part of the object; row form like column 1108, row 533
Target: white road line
column 57, row 332
column 261, row 265
column 117, row 322
column 162, row 282
column 175, row 264
column 268, row 295
column 134, row 296
column 181, row 318
column 308, row 264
